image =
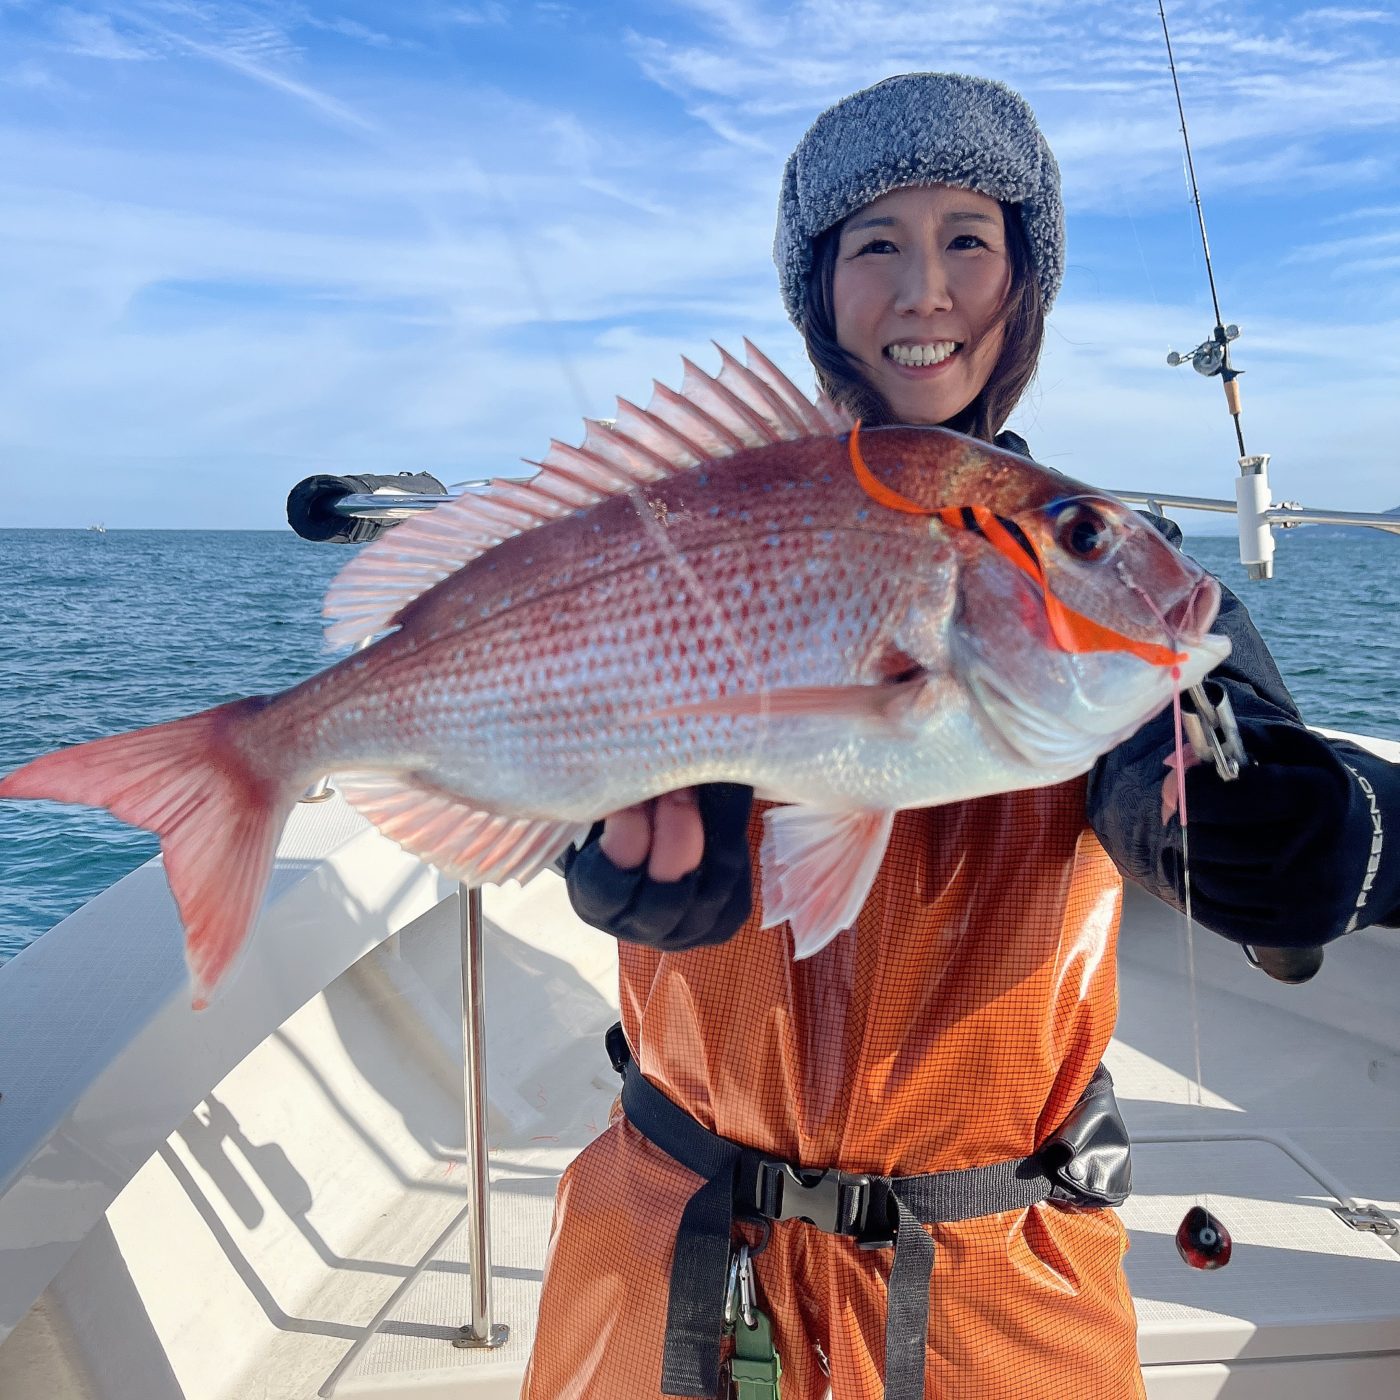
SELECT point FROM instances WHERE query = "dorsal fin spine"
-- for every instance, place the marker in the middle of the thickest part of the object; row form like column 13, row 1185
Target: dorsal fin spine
column 664, row 429
column 795, row 398
column 633, row 451
column 760, row 430
column 690, row 411
column 788, row 421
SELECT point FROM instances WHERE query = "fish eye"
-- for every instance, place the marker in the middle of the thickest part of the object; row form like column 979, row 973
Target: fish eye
column 1081, row 531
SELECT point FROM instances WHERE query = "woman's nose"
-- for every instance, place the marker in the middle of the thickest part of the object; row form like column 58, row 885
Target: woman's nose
column 923, row 287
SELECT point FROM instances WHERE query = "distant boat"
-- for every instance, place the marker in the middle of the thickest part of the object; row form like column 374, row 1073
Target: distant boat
column 98, row 529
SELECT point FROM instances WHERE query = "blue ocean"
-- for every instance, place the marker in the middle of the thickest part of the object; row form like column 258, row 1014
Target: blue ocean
column 106, row 632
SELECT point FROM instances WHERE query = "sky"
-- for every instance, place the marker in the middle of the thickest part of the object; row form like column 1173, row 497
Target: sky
column 244, row 242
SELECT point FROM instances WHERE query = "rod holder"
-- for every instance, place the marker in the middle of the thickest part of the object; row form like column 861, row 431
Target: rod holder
column 1252, row 506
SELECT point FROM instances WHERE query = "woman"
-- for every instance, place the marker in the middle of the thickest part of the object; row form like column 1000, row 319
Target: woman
column 926, row 1092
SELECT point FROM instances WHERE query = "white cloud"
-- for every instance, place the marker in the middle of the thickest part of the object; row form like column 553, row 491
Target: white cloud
column 94, row 36
column 367, row 262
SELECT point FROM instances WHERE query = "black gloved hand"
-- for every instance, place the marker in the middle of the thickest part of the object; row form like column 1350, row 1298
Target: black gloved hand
column 707, row 906
column 1278, row 857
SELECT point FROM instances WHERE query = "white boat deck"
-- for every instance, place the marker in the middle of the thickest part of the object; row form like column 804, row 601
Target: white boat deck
column 300, row 1232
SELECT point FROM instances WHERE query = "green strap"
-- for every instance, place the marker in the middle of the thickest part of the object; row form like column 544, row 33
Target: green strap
column 755, row 1367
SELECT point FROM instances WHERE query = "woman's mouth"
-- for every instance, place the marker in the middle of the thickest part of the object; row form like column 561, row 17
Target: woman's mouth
column 922, row 355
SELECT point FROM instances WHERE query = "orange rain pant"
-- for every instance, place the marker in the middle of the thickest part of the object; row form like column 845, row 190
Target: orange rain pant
column 955, row 1027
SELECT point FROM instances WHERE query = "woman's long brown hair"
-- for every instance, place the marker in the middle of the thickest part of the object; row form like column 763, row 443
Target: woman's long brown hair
column 1023, row 321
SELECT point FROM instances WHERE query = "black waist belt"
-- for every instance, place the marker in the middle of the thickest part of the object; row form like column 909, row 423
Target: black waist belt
column 878, row 1212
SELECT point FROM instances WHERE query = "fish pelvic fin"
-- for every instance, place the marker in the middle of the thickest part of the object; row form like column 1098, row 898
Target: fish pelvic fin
column 474, row 846
column 818, row 867
column 190, row 782
column 712, row 416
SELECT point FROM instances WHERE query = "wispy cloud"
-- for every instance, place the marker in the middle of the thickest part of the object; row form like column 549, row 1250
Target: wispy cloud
column 95, row 36
column 322, row 234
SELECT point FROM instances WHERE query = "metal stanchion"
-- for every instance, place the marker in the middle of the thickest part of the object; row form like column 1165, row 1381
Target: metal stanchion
column 480, row 1331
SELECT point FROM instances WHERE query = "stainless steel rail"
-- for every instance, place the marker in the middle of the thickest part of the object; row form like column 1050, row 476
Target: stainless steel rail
column 481, row 1330
column 1286, row 515
column 399, row 505
column 382, row 506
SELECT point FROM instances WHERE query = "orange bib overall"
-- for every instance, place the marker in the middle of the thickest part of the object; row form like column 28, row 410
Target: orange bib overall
column 955, row 1027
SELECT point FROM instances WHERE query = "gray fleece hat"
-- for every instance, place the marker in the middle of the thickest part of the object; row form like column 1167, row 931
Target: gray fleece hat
column 919, row 129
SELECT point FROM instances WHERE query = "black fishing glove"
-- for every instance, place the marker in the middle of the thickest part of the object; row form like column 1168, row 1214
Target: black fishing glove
column 707, row 906
column 1295, row 852
column 1302, row 847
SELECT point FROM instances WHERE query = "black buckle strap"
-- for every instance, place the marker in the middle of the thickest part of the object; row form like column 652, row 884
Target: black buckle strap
column 836, row 1202
column 878, row 1212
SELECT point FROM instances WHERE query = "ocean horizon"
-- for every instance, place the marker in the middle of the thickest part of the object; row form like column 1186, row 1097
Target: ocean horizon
column 111, row 631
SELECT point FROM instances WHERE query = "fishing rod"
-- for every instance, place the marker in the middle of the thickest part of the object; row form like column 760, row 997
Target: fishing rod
column 1257, row 516
column 1212, row 359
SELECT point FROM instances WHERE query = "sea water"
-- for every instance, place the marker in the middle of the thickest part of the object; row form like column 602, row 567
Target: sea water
column 107, row 632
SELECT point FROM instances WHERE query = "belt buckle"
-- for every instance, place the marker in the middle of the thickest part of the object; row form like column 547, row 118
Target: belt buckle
column 834, row 1201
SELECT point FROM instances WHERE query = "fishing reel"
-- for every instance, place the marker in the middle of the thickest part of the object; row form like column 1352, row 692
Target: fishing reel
column 1209, row 357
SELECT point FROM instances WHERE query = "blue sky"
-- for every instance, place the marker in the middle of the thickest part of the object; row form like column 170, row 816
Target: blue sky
column 248, row 241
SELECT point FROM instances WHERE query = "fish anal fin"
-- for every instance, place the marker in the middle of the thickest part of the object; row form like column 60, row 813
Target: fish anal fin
column 818, row 867
column 468, row 843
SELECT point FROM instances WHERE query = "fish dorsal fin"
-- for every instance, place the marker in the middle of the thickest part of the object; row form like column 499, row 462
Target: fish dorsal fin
column 471, row 845
column 710, row 417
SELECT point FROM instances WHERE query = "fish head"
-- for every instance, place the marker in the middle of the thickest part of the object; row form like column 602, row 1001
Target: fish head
column 1078, row 622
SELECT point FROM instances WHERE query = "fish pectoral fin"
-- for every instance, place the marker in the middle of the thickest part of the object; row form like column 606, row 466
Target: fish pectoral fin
column 471, row 845
column 818, row 867
column 887, row 702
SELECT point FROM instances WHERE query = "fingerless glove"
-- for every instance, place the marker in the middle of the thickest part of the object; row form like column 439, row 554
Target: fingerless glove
column 705, row 907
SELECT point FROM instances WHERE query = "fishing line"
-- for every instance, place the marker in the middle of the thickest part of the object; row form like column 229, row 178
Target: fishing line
column 1195, row 1090
column 1206, row 1237
column 1222, row 338
column 509, row 221
column 1186, row 879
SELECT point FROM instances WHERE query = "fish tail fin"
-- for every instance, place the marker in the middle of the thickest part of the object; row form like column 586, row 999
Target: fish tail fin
column 192, row 782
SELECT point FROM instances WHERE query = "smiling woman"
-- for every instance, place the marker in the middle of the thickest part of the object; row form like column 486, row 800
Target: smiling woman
column 929, row 1081
column 920, row 290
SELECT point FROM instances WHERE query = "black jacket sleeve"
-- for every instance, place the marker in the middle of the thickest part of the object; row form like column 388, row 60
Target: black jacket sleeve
column 1301, row 848
column 707, row 906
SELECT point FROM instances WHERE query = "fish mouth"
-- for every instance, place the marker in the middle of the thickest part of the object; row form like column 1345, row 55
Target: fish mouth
column 1189, row 621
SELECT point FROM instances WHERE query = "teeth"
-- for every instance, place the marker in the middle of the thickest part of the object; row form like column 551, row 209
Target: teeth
column 932, row 354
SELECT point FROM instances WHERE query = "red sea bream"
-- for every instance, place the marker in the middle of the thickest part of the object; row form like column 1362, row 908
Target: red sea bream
column 734, row 584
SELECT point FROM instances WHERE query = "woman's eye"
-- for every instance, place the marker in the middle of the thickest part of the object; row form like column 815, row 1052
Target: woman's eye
column 1081, row 531
column 965, row 241
column 876, row 245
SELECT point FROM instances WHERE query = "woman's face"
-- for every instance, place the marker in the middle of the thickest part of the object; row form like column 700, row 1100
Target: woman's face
column 921, row 276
